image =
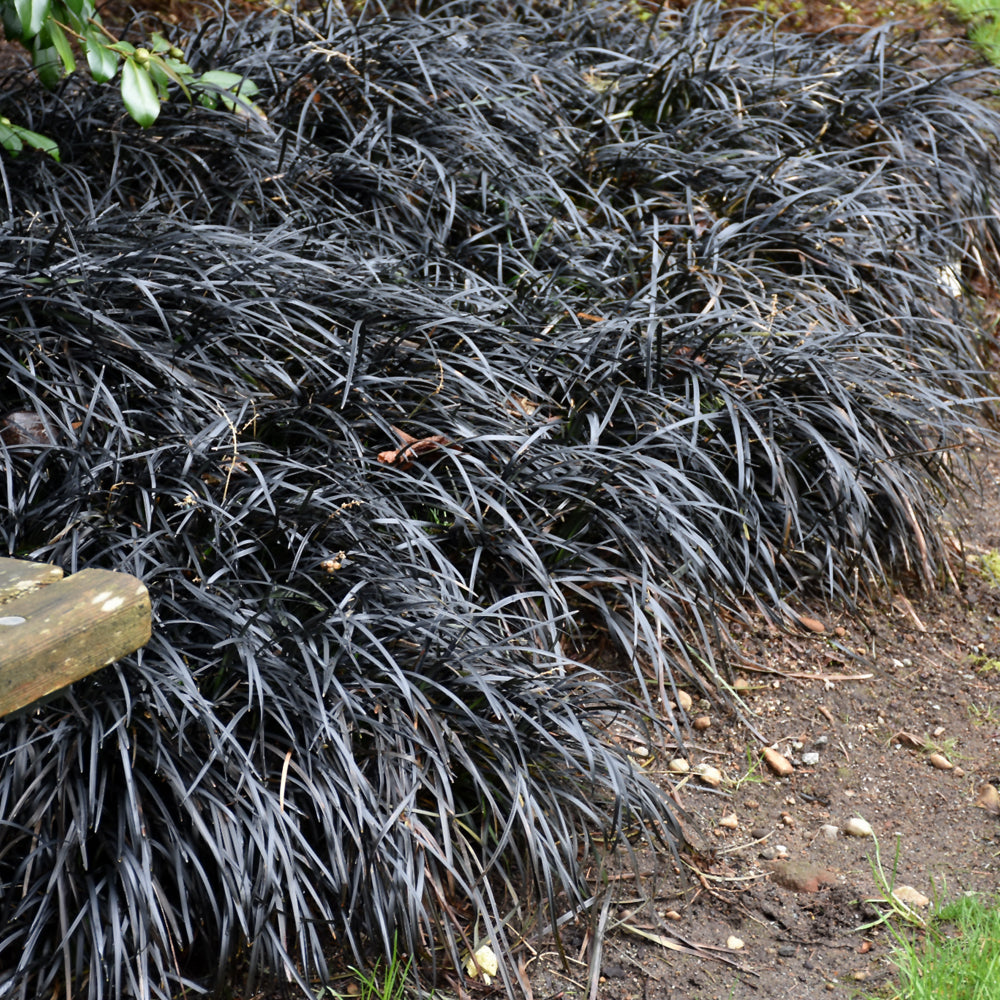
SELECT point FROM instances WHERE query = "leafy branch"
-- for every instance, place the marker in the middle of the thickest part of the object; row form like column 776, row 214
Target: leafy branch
column 48, row 29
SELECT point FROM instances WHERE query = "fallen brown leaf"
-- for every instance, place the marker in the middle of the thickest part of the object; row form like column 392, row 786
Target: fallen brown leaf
column 412, row 448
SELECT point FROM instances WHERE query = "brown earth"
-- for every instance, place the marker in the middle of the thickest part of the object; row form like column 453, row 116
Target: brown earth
column 922, row 665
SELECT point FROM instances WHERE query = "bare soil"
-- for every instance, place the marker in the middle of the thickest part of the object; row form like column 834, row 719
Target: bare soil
column 915, row 663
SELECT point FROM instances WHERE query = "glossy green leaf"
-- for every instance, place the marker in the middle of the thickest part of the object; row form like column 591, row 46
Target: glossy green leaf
column 139, row 93
column 14, row 138
column 11, row 22
column 232, row 90
column 224, row 79
column 10, row 140
column 83, row 9
column 46, row 60
column 170, row 69
column 40, row 142
column 158, row 74
column 32, row 14
column 61, row 44
column 102, row 60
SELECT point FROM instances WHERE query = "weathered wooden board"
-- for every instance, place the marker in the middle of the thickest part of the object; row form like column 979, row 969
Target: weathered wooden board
column 18, row 577
column 56, row 634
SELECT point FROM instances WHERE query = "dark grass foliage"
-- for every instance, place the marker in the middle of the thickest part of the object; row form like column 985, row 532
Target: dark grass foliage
column 666, row 308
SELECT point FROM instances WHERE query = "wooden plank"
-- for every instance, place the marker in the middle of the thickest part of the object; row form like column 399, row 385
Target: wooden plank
column 60, row 633
column 18, row 577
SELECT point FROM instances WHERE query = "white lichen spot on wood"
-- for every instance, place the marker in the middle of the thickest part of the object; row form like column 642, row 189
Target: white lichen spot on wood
column 102, row 596
column 116, row 602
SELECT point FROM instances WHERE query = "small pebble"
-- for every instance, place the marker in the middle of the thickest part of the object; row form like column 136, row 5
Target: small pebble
column 701, row 723
column 858, row 827
column 810, row 758
column 910, row 896
column 712, row 776
column 828, row 831
column 988, row 798
column 787, row 951
column 939, row 761
column 730, row 821
column 812, row 624
column 684, row 700
column 734, row 942
column 777, row 762
column 679, row 766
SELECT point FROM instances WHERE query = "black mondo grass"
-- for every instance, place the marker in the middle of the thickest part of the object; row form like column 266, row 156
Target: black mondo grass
column 503, row 325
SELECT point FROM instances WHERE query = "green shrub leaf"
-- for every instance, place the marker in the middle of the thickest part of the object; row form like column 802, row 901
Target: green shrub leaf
column 14, row 138
column 10, row 140
column 83, row 9
column 171, row 69
column 46, row 59
column 228, row 81
column 61, row 44
column 139, row 94
column 102, row 60
column 32, row 14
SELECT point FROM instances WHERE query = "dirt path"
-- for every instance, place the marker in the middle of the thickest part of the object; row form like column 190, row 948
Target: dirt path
column 926, row 665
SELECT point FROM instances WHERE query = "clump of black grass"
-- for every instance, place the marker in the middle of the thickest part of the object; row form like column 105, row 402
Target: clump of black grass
column 500, row 321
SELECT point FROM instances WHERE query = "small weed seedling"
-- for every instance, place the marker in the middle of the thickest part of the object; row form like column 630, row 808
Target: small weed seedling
column 754, row 774
column 896, row 912
column 374, row 985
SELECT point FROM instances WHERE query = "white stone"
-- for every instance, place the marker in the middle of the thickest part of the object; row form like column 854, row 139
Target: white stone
column 858, row 827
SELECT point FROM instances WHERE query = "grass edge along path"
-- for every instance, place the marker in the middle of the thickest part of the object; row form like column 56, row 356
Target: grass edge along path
column 956, row 954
